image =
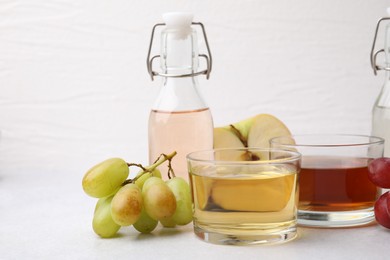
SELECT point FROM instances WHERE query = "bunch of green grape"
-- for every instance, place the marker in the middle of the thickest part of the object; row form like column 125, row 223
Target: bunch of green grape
column 142, row 201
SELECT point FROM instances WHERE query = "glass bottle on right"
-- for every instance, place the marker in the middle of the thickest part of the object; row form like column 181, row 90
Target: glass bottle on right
column 381, row 109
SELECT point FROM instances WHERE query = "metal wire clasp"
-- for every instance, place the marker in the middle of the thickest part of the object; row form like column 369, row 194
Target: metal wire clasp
column 374, row 53
column 209, row 60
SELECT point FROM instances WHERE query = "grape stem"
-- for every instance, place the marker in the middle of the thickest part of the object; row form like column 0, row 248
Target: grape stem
column 160, row 160
column 170, row 169
column 138, row 165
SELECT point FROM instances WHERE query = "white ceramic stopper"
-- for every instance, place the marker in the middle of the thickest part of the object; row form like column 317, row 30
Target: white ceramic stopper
column 178, row 20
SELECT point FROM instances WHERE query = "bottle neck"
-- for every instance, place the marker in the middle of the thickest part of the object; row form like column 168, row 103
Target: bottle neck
column 179, row 51
column 179, row 56
column 387, row 46
column 383, row 99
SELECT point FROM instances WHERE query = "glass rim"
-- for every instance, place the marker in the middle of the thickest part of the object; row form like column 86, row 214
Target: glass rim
column 294, row 156
column 372, row 140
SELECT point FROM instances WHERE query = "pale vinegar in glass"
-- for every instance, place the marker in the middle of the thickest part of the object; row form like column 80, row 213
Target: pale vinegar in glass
column 180, row 131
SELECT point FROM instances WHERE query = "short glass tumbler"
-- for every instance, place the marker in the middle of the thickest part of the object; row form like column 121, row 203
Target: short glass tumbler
column 334, row 187
column 244, row 196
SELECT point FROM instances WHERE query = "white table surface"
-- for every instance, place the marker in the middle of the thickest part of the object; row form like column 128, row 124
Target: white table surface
column 47, row 216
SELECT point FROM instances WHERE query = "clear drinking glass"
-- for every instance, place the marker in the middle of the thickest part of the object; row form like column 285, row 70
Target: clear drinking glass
column 334, row 187
column 241, row 202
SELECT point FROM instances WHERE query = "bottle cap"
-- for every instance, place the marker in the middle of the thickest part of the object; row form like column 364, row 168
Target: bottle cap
column 178, row 20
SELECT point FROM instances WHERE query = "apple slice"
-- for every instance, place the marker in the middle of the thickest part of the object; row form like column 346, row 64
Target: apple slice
column 277, row 190
column 252, row 132
column 224, row 138
column 264, row 128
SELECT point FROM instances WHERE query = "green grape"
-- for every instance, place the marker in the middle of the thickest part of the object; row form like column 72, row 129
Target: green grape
column 151, row 181
column 102, row 223
column 100, row 203
column 159, row 200
column 168, row 222
column 126, row 206
column 105, row 178
column 156, row 173
column 182, row 192
column 141, row 180
column 145, row 224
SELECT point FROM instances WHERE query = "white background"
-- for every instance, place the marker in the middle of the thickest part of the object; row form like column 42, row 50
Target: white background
column 74, row 88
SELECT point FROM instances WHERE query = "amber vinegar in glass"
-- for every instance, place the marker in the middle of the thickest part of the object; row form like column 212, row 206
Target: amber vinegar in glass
column 336, row 184
column 334, row 187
